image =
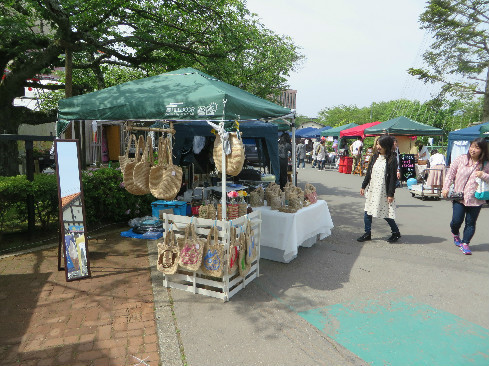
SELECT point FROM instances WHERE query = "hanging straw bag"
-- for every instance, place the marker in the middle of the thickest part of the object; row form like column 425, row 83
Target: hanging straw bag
column 235, row 160
column 192, row 249
column 244, row 266
column 168, row 254
column 124, row 159
column 233, row 252
column 213, row 261
column 143, row 168
column 165, row 178
column 251, row 249
column 156, row 172
column 129, row 168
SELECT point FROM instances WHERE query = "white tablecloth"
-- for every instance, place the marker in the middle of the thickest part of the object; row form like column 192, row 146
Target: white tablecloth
column 283, row 233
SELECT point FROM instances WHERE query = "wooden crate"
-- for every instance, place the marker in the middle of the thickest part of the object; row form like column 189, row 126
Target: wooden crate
column 198, row 283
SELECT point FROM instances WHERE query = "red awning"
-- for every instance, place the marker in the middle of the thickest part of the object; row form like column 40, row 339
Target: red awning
column 358, row 130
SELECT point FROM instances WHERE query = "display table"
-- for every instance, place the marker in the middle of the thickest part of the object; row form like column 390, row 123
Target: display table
column 283, row 233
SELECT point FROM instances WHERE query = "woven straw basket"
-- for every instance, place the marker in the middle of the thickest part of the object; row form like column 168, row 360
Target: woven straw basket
column 235, row 160
column 165, row 178
column 124, row 159
column 129, row 168
column 168, row 254
column 142, row 169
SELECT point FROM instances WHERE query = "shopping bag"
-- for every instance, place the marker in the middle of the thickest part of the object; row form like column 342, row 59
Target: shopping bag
column 235, row 160
column 128, row 175
column 142, row 169
column 124, row 159
column 233, row 252
column 244, row 266
column 482, row 191
column 192, row 249
column 168, row 254
column 213, row 260
column 251, row 245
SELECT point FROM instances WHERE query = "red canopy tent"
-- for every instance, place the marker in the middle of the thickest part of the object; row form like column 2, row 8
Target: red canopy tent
column 358, row 130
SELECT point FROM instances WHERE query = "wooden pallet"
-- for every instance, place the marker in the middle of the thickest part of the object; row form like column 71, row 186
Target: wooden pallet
column 197, row 282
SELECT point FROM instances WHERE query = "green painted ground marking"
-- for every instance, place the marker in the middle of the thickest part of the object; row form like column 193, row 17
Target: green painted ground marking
column 403, row 333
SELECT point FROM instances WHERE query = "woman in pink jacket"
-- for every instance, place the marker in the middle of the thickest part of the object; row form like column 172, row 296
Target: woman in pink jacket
column 462, row 174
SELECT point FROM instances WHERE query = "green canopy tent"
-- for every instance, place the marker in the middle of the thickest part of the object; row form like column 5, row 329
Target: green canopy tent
column 336, row 130
column 403, row 126
column 182, row 95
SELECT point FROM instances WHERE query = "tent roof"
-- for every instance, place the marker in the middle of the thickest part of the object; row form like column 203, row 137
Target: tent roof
column 316, row 132
column 301, row 131
column 335, row 131
column 184, row 94
column 403, row 126
column 358, row 130
column 467, row 134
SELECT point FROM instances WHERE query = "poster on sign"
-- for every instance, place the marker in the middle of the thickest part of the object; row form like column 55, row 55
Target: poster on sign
column 407, row 166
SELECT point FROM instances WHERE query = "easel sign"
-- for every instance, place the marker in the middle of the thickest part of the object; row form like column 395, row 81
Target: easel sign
column 73, row 243
column 407, row 167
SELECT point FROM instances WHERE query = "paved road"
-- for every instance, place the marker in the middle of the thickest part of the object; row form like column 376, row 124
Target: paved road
column 416, row 302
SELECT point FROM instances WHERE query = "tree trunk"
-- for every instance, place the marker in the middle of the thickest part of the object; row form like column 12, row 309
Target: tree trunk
column 485, row 101
column 9, row 152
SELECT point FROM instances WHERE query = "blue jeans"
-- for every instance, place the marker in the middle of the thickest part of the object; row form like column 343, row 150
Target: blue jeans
column 299, row 161
column 367, row 219
column 471, row 213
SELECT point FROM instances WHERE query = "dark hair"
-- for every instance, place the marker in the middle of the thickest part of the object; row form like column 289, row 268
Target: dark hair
column 434, row 151
column 387, row 143
column 285, row 137
column 482, row 144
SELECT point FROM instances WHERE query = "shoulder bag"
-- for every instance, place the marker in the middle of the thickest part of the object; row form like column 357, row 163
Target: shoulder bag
column 482, row 191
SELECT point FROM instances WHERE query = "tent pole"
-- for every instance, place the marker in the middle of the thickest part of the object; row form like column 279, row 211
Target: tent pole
column 294, row 172
column 223, row 181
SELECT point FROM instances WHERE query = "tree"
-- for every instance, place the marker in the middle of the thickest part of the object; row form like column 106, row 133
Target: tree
column 460, row 30
column 130, row 39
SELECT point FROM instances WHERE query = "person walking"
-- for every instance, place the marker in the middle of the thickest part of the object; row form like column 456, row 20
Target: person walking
column 462, row 173
column 301, row 154
column 284, row 148
column 356, row 152
column 314, row 153
column 378, row 187
column 321, row 155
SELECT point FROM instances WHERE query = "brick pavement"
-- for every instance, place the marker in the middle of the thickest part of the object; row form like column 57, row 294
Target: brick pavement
column 106, row 320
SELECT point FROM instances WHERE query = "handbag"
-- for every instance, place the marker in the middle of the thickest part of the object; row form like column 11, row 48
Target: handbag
column 192, row 249
column 233, row 252
column 244, row 266
column 142, row 170
column 213, row 261
column 251, row 244
column 235, row 160
column 168, row 254
column 129, row 168
column 482, row 191
column 165, row 178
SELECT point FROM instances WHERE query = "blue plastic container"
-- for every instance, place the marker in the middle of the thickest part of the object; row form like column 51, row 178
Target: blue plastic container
column 179, row 207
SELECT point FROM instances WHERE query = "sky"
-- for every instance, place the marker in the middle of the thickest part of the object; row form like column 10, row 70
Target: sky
column 357, row 52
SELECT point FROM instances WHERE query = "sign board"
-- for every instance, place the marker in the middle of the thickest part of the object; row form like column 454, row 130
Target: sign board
column 407, row 166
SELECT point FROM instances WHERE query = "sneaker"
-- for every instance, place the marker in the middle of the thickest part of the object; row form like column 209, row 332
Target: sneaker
column 457, row 241
column 394, row 237
column 465, row 249
column 365, row 237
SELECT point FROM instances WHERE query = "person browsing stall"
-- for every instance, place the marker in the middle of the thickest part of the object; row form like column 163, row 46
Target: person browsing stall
column 462, row 173
column 284, row 148
column 356, row 152
column 378, row 187
column 301, row 154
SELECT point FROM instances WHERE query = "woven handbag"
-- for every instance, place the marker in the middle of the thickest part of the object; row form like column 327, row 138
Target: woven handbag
column 156, row 172
column 192, row 249
column 129, row 168
column 165, row 179
column 251, row 245
column 235, row 160
column 124, row 159
column 310, row 193
column 233, row 252
column 213, row 261
column 244, row 266
column 168, row 254
column 142, row 169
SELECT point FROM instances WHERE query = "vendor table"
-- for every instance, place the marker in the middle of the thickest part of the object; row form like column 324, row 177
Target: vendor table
column 282, row 233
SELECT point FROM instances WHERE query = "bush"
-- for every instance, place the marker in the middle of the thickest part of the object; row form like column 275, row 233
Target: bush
column 107, row 201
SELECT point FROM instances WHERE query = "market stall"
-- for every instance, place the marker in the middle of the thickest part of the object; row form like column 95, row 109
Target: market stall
column 192, row 100
column 458, row 141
